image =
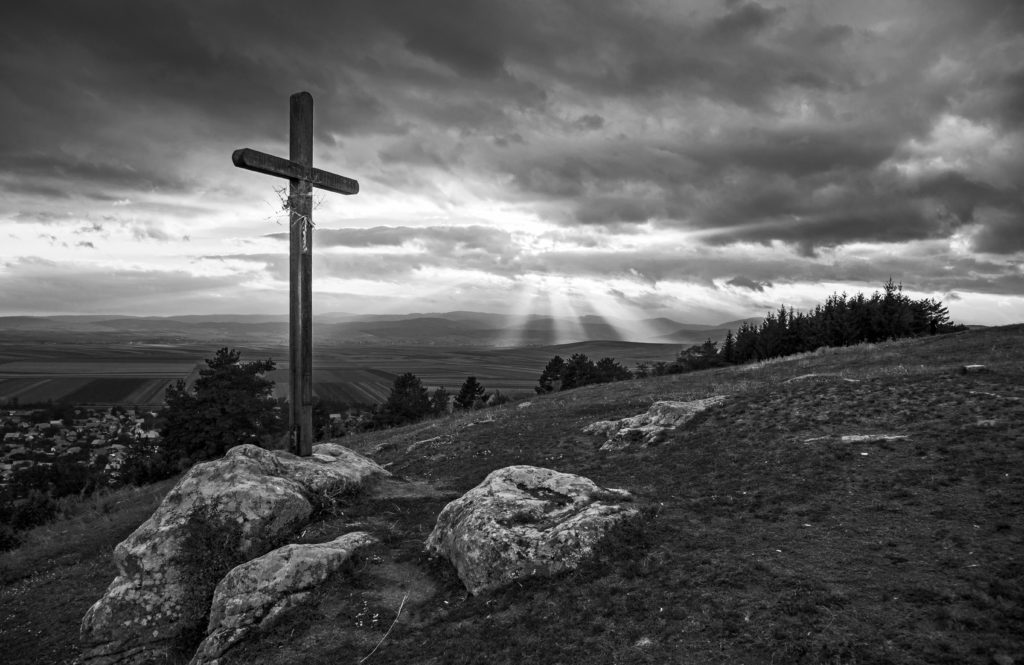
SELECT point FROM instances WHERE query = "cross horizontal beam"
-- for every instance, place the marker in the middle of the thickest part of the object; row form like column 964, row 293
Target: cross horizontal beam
column 261, row 162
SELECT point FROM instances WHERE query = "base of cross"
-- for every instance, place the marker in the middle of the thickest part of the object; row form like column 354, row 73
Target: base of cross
column 292, row 442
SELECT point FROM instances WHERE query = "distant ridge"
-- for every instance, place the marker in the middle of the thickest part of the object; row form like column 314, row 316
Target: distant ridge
column 457, row 328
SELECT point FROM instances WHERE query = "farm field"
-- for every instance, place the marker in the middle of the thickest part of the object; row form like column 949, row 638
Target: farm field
column 105, row 382
column 137, row 374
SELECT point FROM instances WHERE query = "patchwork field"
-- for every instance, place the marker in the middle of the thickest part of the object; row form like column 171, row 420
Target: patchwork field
column 105, row 382
column 138, row 374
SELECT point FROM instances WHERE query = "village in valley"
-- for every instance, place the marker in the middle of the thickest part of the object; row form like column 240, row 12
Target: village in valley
column 89, row 436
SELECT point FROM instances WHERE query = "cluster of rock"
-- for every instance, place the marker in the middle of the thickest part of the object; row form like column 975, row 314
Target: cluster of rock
column 652, row 426
column 221, row 514
column 208, row 561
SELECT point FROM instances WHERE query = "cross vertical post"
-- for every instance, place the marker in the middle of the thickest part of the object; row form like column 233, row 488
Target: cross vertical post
column 300, row 278
column 302, row 177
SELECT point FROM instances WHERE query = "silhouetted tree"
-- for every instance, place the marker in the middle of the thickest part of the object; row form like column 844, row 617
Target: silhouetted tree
column 579, row 371
column 841, row 321
column 729, row 348
column 607, row 370
column 700, row 356
column 552, row 373
column 439, row 401
column 471, row 394
column 407, row 403
column 230, row 403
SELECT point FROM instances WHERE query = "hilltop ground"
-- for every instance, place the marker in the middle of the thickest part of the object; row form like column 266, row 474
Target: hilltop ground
column 766, row 537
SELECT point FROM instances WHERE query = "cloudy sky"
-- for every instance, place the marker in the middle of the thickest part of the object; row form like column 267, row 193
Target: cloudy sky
column 701, row 159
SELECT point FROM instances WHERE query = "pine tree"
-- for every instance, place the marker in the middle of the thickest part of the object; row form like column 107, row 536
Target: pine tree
column 439, row 401
column 230, row 403
column 552, row 373
column 407, row 403
column 729, row 348
column 469, row 394
column 607, row 370
column 579, row 371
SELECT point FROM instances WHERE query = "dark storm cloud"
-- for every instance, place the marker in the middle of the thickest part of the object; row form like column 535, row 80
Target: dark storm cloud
column 747, row 283
column 746, row 122
column 589, row 122
column 1003, row 233
column 57, row 171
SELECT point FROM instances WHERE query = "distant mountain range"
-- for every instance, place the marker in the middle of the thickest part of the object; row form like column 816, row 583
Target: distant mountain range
column 458, row 328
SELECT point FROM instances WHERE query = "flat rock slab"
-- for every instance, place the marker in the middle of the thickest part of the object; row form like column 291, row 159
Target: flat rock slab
column 220, row 514
column 859, row 438
column 257, row 593
column 821, row 378
column 524, row 521
column 650, row 427
column 872, row 438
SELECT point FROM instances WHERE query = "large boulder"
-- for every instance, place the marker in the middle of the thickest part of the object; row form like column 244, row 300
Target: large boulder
column 220, row 514
column 257, row 593
column 652, row 426
column 523, row 521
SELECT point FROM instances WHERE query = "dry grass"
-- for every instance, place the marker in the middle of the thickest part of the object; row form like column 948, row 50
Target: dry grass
column 765, row 537
column 83, row 526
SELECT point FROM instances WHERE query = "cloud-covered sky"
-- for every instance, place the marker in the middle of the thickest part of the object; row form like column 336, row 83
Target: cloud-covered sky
column 701, row 159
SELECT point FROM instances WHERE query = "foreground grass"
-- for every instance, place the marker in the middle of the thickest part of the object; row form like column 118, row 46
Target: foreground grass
column 765, row 537
column 62, row 568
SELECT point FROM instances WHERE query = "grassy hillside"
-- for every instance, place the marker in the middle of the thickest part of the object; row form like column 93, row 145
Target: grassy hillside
column 767, row 538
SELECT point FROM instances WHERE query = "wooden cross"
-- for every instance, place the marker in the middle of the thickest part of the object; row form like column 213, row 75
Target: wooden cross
column 302, row 177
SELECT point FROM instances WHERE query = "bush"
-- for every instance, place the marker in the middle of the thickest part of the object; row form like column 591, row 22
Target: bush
column 497, row 399
column 35, row 509
column 146, row 462
column 8, row 538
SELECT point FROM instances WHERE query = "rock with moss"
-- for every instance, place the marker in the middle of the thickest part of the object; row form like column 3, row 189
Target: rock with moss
column 254, row 595
column 524, row 521
column 220, row 514
column 652, row 426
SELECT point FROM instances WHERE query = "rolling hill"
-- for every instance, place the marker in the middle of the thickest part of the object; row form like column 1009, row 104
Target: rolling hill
column 425, row 329
column 854, row 505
